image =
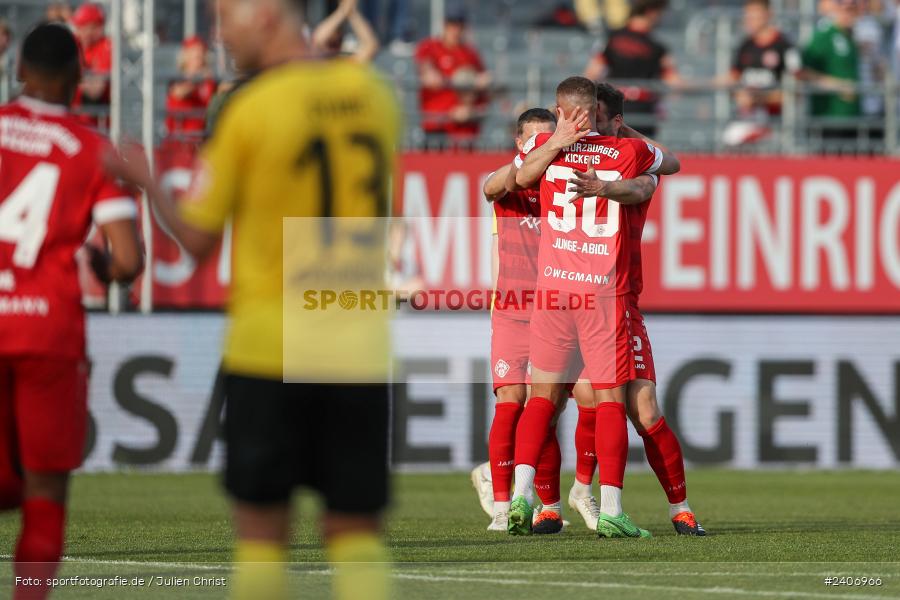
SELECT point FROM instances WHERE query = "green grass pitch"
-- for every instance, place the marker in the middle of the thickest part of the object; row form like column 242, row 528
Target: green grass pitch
column 773, row 535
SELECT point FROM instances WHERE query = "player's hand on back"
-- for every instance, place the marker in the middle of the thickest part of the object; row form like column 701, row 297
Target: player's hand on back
column 585, row 184
column 129, row 164
column 98, row 259
column 570, row 128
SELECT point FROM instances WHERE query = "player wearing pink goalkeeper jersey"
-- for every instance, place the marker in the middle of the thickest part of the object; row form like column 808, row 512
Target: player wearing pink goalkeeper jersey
column 583, row 284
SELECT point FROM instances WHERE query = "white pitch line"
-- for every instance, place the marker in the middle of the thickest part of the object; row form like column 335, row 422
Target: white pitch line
column 658, row 588
column 138, row 563
column 654, row 574
column 495, row 581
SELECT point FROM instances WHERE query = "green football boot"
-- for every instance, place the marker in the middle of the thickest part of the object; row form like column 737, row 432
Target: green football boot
column 520, row 515
column 619, row 527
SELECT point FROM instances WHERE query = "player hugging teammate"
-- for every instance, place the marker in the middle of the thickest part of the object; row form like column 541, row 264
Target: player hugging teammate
column 590, row 178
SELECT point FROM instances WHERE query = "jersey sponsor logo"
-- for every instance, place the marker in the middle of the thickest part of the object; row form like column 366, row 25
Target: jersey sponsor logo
column 576, row 276
column 24, row 305
column 533, row 223
column 758, row 77
column 36, row 138
column 501, row 368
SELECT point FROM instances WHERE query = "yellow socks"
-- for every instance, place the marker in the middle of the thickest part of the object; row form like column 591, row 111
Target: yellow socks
column 260, row 572
column 361, row 564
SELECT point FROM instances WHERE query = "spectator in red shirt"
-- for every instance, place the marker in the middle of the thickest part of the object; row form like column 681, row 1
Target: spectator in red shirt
column 453, row 86
column 188, row 97
column 89, row 22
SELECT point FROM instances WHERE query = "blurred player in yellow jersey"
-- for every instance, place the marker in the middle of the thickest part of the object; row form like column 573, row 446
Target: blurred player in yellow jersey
column 300, row 160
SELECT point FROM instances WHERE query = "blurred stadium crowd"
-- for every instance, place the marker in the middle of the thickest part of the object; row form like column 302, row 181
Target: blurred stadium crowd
column 711, row 76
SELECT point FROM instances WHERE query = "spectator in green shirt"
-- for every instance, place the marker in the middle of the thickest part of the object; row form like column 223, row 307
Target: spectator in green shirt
column 831, row 59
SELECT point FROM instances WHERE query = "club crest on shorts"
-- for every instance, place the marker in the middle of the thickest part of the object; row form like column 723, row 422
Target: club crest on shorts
column 501, row 368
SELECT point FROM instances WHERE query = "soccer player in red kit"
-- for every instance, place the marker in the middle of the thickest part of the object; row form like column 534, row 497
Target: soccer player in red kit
column 584, row 280
column 660, row 444
column 52, row 187
column 518, row 216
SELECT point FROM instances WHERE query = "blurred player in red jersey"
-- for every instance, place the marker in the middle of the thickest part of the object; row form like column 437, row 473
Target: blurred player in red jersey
column 660, row 443
column 583, row 277
column 52, row 187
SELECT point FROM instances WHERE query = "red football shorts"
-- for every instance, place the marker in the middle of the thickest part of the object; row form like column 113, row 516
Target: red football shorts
column 600, row 336
column 643, row 353
column 509, row 351
column 43, row 419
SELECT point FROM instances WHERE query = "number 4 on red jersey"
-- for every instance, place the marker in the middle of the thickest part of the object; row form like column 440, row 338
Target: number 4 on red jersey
column 52, row 188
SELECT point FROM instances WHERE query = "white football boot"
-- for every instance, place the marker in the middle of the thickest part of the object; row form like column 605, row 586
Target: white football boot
column 588, row 508
column 484, row 487
column 500, row 521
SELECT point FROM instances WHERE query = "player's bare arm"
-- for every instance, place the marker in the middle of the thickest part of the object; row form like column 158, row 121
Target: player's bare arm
column 130, row 165
column 124, row 260
column 569, row 130
column 511, row 184
column 586, row 184
column 670, row 164
column 495, row 187
column 347, row 12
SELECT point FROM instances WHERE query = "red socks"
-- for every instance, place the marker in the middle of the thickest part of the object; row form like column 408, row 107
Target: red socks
column 665, row 458
column 546, row 477
column 10, row 491
column 586, row 459
column 40, row 545
column 532, row 430
column 611, row 443
column 502, row 447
